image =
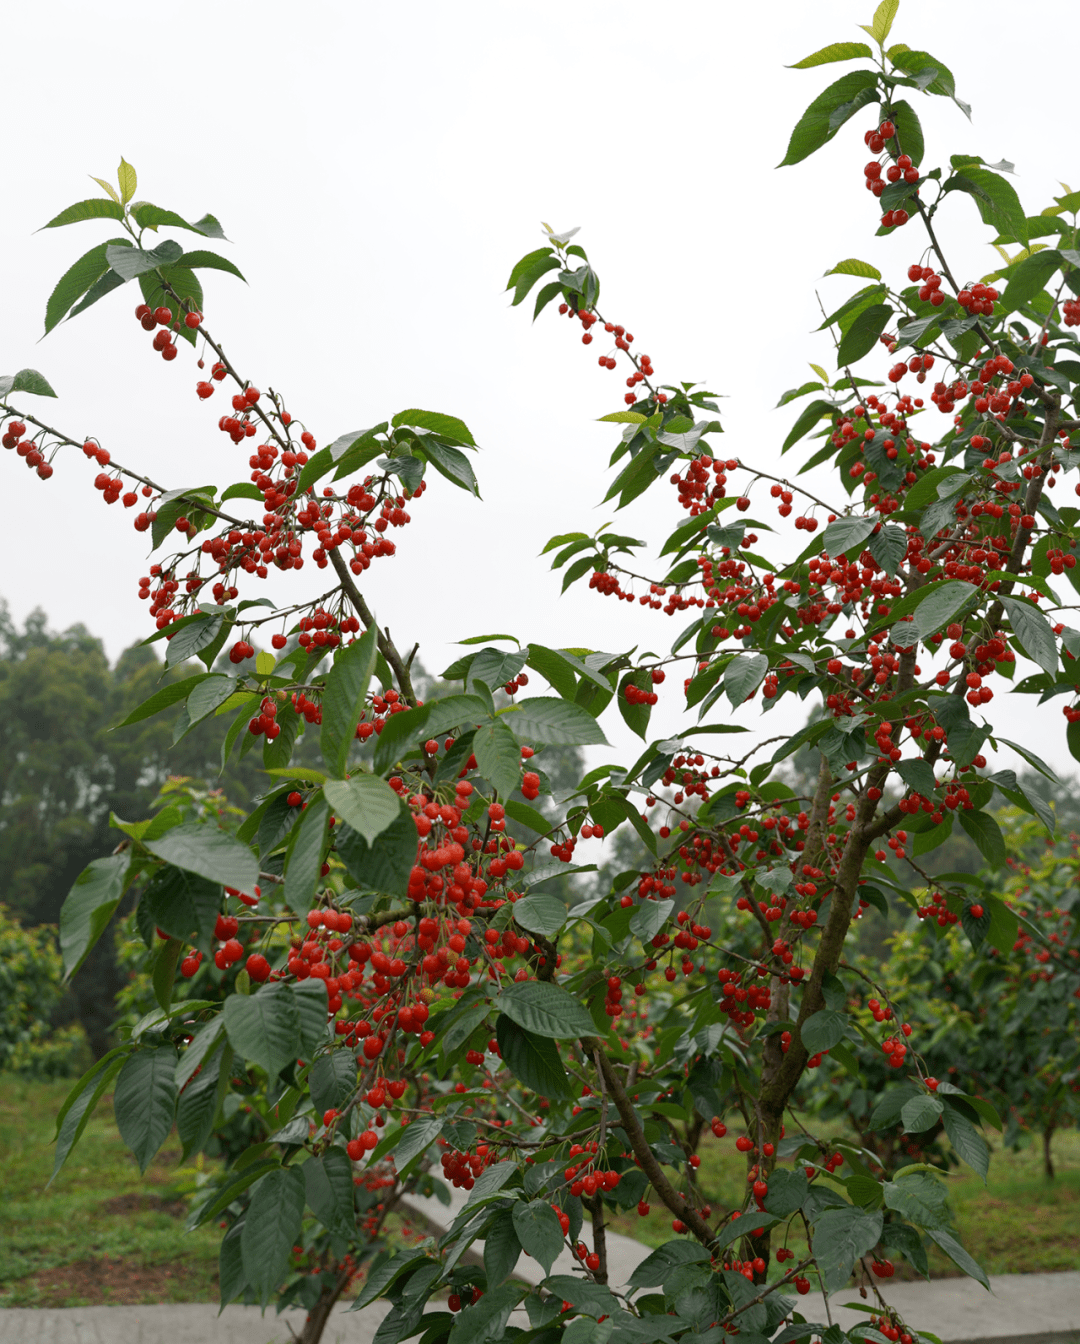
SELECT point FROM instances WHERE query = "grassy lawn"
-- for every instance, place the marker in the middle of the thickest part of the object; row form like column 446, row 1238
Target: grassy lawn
column 101, row 1233
column 1018, row 1223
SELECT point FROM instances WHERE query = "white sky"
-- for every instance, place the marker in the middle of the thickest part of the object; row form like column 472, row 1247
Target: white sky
column 379, row 168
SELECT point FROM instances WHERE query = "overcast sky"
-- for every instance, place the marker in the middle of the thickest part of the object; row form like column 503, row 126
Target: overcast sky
column 378, row 170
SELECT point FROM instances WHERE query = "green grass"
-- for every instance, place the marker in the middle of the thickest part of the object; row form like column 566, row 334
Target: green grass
column 62, row 1246
column 1019, row 1223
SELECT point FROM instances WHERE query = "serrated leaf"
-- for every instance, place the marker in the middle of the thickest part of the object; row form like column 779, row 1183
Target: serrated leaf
column 366, row 802
column 343, row 699
column 545, row 1010
column 862, row 336
column 828, row 112
column 532, row 1059
column 824, row 1029
column 271, row 1228
column 264, row 1026
column 92, row 209
column 835, row 51
column 210, row 852
column 852, row 266
column 145, row 1100
column 88, row 907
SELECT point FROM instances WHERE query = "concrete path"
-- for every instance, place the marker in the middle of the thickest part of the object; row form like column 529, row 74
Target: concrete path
column 180, row 1323
column 1019, row 1309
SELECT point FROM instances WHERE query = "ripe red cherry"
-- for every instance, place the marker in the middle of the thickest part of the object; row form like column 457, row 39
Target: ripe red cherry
column 163, row 316
column 192, row 320
column 258, row 967
column 977, row 911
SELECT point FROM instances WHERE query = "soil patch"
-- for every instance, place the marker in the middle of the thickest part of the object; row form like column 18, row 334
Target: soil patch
column 117, row 1281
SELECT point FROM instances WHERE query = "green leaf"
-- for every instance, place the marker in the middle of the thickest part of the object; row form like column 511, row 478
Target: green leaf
column 845, row 535
column 194, row 640
column 198, row 1103
column 343, row 699
column 422, row 1132
column 498, row 756
column 165, row 971
column 328, row 1189
column 828, row 112
column 824, row 1029
column 264, row 1027
column 883, row 21
column 862, row 335
column 656, row 1268
column 920, row 1198
column 986, row 833
column 553, row 722
column 145, row 1101
column 841, row 1237
column 149, row 216
column 306, row 857
column 449, row 462
column 835, row 51
column 332, row 1080
column 541, row 914
column 888, row 547
column 909, row 133
column 538, row 1231
column 527, row 816
column 996, row 199
column 200, row 260
column 366, row 802
column 810, row 416
column 545, row 1009
column 941, row 604
column 310, row 998
column 430, row 720
column 1032, row 629
column 94, row 209
column 102, row 285
column 649, row 918
column 787, row 1192
column 80, row 1103
column 852, row 266
column 449, row 426
column 210, row 852
column 918, row 775
column 1028, row 277
column 502, row 1249
column 128, row 182
column 26, row 380
column 619, row 418
column 130, row 262
column 956, row 1253
column 742, row 676
column 384, row 866
column 968, row 1144
column 88, row 907
column 203, row 1043
column 921, row 1113
column 74, row 283
column 271, row 1228
column 533, row 1060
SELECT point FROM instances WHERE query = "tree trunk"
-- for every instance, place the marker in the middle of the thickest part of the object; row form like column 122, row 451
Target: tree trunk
column 1048, row 1161
column 320, row 1313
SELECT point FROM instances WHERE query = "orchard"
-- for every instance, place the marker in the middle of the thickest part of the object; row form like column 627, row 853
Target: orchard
column 363, row 987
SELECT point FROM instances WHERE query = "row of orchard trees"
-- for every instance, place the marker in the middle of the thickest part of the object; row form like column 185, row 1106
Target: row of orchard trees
column 392, row 989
